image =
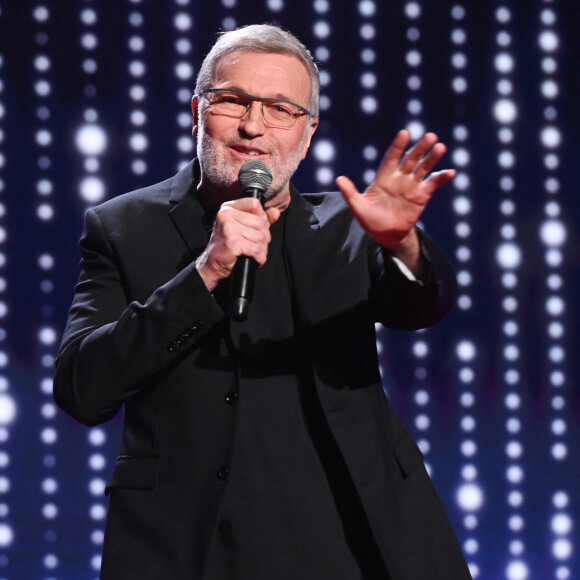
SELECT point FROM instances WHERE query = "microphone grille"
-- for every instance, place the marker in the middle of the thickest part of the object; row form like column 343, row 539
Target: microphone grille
column 255, row 174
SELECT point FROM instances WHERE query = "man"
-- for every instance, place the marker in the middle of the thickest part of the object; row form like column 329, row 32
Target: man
column 260, row 449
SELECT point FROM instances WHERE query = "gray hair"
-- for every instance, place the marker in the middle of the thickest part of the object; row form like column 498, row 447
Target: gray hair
column 265, row 38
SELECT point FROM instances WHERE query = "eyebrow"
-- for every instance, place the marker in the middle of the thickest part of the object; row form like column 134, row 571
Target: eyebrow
column 277, row 96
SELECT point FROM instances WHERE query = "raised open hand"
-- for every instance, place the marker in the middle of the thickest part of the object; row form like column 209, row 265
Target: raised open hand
column 390, row 207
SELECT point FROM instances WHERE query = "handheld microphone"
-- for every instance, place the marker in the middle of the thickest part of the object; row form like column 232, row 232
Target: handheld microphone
column 255, row 177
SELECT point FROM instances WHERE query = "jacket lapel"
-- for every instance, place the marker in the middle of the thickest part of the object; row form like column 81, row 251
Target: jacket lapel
column 186, row 211
column 302, row 227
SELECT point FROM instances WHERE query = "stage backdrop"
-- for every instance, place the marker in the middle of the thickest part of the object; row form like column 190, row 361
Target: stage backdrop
column 94, row 101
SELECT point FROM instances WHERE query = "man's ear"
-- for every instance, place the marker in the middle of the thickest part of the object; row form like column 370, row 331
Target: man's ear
column 311, row 129
column 194, row 112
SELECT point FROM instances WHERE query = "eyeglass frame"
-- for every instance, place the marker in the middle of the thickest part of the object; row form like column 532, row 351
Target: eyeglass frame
column 302, row 110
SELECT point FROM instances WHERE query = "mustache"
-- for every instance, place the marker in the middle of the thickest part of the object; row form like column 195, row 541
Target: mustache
column 249, row 144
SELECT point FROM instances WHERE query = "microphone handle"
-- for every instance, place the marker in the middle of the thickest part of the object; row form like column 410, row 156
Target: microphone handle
column 243, row 274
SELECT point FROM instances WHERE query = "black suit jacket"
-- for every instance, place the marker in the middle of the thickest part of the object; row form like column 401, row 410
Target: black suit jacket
column 139, row 316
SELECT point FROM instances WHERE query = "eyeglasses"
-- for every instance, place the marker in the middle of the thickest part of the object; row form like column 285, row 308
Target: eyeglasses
column 234, row 103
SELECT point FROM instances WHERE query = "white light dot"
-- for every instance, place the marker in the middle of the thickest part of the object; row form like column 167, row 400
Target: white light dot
column 136, row 44
column 97, row 462
column 512, row 401
column 185, row 144
column 367, row 8
column 559, row 427
column 97, row 537
column 508, row 255
column 550, row 89
column 276, row 5
column 420, row 349
column 422, row 422
column 137, row 68
column 49, row 511
column 98, row 512
column 505, row 111
column 7, row 409
column 560, row 500
column 551, row 137
column 506, row 159
column 138, row 142
column 6, row 535
column 367, row 32
column 324, row 151
column 466, row 375
column 514, row 449
column 461, row 157
column 47, row 336
column 416, row 129
column 515, row 499
column 183, row 21
column 183, row 71
column 97, row 437
column 559, row 451
column 49, row 486
column 548, row 41
column 325, row 175
column 42, row 88
column 89, row 41
column 464, row 278
column 466, row 350
column 88, row 17
column 412, row 10
column 468, row 423
column 561, row 524
column 555, row 305
column 49, row 436
column 368, row 80
column 515, row 474
column 468, row 448
column 562, row 549
column 470, row 497
column 92, row 189
column 369, row 104
column 97, row 487
column 91, row 140
column 517, row 570
column 41, row 14
column 322, row 29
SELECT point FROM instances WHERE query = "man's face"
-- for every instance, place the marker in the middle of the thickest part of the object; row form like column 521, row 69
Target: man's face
column 224, row 143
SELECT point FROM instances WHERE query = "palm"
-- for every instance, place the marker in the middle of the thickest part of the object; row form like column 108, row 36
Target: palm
column 390, row 207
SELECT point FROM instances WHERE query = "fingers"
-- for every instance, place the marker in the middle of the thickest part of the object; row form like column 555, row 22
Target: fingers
column 392, row 158
column 242, row 227
column 422, row 157
column 349, row 192
column 439, row 179
column 273, row 214
column 418, row 161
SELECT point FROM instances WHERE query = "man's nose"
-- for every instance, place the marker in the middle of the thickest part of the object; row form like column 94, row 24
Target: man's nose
column 253, row 121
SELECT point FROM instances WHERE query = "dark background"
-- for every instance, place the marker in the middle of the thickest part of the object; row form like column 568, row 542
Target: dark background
column 510, row 449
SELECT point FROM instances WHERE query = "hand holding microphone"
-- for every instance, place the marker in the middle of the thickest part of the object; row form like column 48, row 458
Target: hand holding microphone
column 241, row 233
column 255, row 178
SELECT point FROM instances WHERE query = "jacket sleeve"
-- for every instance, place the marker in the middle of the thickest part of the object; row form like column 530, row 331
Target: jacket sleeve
column 402, row 303
column 112, row 348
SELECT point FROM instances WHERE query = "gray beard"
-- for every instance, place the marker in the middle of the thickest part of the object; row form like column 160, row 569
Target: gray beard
column 224, row 177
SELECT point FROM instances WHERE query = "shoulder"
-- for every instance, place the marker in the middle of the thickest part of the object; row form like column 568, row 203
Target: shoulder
column 328, row 206
column 150, row 198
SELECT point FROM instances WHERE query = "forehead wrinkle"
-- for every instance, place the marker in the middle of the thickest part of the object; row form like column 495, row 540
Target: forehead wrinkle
column 272, row 71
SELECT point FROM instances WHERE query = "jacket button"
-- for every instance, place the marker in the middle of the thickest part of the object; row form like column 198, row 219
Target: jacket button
column 173, row 346
column 231, row 397
column 222, row 473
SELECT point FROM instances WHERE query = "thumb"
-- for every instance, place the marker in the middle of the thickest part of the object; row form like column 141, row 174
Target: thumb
column 273, row 214
column 348, row 190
